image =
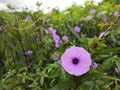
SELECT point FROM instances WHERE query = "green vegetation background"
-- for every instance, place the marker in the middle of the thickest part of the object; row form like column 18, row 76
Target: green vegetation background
column 38, row 71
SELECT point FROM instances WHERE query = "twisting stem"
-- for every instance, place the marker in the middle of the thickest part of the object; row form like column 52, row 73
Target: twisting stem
column 22, row 45
column 110, row 27
column 28, row 26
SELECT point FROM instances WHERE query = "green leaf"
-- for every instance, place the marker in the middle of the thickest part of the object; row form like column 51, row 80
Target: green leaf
column 22, row 69
column 54, row 73
column 104, row 51
column 98, row 76
column 42, row 80
column 108, row 63
column 91, row 85
column 117, row 62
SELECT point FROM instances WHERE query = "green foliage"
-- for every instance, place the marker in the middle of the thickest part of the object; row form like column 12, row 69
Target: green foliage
column 28, row 31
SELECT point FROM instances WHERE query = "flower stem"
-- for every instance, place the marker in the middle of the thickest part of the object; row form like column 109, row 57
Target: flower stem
column 110, row 27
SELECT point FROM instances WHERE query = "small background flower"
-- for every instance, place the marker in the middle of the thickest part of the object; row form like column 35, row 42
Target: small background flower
column 65, row 38
column 28, row 18
column 94, row 65
column 92, row 11
column 117, row 70
column 48, row 21
column 29, row 52
column 100, row 13
column 105, row 19
column 77, row 28
column 55, row 57
column 90, row 17
column 0, row 28
column 83, row 19
column 101, row 33
column 116, row 13
column 52, row 30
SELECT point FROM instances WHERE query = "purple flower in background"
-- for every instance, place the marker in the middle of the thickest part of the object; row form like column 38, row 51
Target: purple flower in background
column 76, row 61
column 100, row 13
column 43, row 22
column 57, row 43
column 65, row 38
column 37, row 37
column 105, row 19
column 29, row 52
column 0, row 28
column 92, row 11
column 77, row 29
column 55, row 57
column 28, row 18
column 56, row 37
column 52, row 30
column 116, row 70
column 116, row 13
column 90, row 17
column 83, row 19
column 94, row 65
column 101, row 33
column 48, row 21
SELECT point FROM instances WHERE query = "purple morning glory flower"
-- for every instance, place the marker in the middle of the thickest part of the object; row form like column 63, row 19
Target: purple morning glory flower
column 105, row 19
column 65, row 38
column 37, row 37
column 43, row 22
column 76, row 61
column 77, row 28
column 101, row 33
column 52, row 30
column 48, row 20
column 94, row 65
column 100, row 13
column 55, row 57
column 90, row 17
column 29, row 52
column 0, row 28
column 83, row 19
column 28, row 18
column 57, row 43
column 56, row 37
column 116, row 13
column 92, row 11
column 116, row 70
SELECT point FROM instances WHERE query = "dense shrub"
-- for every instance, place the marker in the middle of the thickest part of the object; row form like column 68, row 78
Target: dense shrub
column 34, row 48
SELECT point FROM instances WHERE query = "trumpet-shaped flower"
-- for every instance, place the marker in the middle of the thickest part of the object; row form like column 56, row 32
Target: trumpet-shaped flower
column 55, row 57
column 116, row 70
column 100, row 13
column 0, row 28
column 27, row 18
column 29, row 52
column 105, row 19
column 92, row 11
column 90, row 17
column 94, row 65
column 77, row 28
column 116, row 13
column 76, row 61
column 65, row 38
column 52, row 30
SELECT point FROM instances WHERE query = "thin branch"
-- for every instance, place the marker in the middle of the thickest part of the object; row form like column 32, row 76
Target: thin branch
column 28, row 26
column 110, row 27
